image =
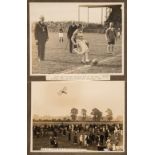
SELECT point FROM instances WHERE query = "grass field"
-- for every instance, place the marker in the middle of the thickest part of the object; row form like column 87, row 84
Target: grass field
column 43, row 142
column 59, row 60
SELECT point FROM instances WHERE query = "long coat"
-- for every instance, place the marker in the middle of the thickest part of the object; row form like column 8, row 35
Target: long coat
column 71, row 30
column 41, row 32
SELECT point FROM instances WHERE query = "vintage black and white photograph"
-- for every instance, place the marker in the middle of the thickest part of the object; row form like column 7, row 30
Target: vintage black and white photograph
column 75, row 116
column 76, row 38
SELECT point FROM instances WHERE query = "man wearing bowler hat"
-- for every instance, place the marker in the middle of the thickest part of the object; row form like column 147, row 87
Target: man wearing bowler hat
column 41, row 36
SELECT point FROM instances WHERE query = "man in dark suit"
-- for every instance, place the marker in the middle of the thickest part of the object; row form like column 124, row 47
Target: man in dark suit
column 41, row 36
column 70, row 32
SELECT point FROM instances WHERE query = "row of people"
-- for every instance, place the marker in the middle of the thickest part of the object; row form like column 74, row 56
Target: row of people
column 77, row 127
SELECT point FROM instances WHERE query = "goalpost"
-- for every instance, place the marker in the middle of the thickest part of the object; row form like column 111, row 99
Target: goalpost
column 93, row 6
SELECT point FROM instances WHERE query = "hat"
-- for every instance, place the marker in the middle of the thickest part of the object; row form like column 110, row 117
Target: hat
column 80, row 26
column 41, row 17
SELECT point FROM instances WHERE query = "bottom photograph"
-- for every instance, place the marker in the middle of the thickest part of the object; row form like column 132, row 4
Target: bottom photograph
column 77, row 116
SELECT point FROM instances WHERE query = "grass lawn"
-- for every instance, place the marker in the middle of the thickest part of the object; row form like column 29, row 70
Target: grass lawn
column 43, row 142
column 59, row 60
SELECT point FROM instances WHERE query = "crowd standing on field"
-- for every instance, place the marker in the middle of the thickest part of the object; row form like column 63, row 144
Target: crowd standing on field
column 103, row 137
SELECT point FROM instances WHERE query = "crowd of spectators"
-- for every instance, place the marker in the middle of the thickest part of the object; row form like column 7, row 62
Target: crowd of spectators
column 102, row 136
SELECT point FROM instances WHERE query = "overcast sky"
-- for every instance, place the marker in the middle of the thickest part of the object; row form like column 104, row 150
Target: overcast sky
column 64, row 12
column 88, row 95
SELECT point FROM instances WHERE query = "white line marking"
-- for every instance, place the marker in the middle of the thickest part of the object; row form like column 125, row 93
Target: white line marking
column 87, row 66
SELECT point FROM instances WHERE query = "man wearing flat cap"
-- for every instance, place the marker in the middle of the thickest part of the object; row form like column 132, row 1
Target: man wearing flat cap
column 41, row 36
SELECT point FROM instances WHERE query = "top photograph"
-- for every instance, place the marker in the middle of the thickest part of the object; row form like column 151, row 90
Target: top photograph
column 68, row 38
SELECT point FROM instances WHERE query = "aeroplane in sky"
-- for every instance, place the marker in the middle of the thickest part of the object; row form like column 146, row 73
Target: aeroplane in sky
column 62, row 91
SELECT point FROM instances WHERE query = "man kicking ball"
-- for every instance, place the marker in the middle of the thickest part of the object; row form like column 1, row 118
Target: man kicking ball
column 110, row 36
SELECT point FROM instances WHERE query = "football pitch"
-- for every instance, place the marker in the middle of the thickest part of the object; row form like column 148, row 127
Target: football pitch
column 59, row 60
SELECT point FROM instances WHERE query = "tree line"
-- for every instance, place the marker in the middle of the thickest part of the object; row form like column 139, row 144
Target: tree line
column 79, row 115
column 97, row 115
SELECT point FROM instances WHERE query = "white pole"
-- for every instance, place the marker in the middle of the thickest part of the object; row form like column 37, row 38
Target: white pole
column 88, row 16
column 101, row 15
column 79, row 14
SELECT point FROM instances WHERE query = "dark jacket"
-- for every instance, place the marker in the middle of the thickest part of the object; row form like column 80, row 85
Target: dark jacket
column 71, row 30
column 41, row 32
column 61, row 30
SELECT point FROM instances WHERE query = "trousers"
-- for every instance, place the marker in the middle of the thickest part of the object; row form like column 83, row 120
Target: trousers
column 41, row 50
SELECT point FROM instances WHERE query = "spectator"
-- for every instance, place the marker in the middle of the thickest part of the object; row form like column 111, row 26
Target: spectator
column 55, row 145
column 69, row 136
column 85, row 140
column 75, row 138
column 41, row 36
column 51, row 140
column 81, row 139
column 110, row 37
column 118, row 33
column 61, row 39
column 109, row 145
column 70, row 32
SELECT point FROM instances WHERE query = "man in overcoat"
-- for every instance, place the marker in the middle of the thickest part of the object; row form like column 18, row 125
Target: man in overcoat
column 41, row 36
column 70, row 32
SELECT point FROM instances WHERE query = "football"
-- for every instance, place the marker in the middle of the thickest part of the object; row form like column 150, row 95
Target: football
column 94, row 62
